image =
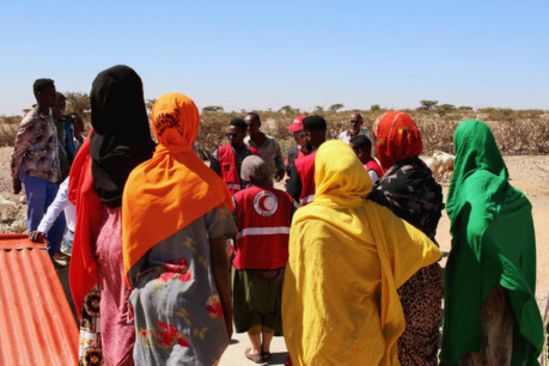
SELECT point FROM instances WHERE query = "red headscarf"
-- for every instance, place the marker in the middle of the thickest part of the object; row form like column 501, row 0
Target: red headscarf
column 397, row 137
column 83, row 267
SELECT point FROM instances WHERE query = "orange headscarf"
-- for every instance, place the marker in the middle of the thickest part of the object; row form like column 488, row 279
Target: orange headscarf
column 397, row 137
column 174, row 187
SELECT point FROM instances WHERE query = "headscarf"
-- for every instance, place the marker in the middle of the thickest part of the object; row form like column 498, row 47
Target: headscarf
column 397, row 138
column 83, row 267
column 174, row 185
column 493, row 242
column 255, row 170
column 408, row 187
column 122, row 137
column 347, row 257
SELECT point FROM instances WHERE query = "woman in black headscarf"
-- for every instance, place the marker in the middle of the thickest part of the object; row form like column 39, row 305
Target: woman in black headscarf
column 120, row 140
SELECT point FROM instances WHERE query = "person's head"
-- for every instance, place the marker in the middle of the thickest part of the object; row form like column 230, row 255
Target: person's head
column 476, row 148
column 255, row 170
column 296, row 128
column 58, row 109
column 476, row 151
column 175, row 121
column 341, row 180
column 253, row 122
column 45, row 93
column 237, row 132
column 362, row 147
column 398, row 138
column 314, row 131
column 121, row 137
column 355, row 123
column 77, row 124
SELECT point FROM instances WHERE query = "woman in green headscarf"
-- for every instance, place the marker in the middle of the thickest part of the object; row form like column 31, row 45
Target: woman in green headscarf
column 490, row 312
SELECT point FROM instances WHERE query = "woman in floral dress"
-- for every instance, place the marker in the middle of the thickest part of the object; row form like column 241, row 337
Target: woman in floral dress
column 176, row 221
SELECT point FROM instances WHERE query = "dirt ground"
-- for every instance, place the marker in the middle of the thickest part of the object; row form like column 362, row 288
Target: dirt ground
column 528, row 173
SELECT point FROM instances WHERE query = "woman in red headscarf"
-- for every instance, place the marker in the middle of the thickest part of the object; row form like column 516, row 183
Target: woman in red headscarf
column 176, row 219
column 410, row 191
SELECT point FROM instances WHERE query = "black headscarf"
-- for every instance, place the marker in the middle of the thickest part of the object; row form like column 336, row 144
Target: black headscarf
column 410, row 191
column 121, row 138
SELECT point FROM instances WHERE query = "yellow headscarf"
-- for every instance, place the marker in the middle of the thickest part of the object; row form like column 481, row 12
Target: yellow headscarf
column 347, row 258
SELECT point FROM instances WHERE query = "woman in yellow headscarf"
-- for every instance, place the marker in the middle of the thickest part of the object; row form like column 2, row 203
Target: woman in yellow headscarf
column 174, row 227
column 347, row 257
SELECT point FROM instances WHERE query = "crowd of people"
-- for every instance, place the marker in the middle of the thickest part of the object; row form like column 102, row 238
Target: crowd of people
column 167, row 254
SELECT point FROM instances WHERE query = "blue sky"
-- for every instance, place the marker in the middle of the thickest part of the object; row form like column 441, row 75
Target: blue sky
column 265, row 54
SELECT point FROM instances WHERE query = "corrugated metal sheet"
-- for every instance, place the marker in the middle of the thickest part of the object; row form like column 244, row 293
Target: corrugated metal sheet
column 36, row 324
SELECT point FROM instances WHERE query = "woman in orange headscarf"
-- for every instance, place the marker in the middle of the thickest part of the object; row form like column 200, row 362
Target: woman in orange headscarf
column 410, row 191
column 176, row 219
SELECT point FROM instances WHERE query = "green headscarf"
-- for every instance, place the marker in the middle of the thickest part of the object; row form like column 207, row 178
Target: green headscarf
column 493, row 241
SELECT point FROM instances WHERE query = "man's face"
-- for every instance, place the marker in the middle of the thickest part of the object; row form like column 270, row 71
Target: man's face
column 236, row 135
column 47, row 97
column 77, row 124
column 362, row 155
column 355, row 123
column 58, row 108
column 253, row 124
column 299, row 138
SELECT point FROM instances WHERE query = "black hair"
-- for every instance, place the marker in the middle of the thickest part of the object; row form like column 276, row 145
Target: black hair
column 239, row 122
column 255, row 115
column 59, row 95
column 41, row 85
column 361, row 142
column 314, row 123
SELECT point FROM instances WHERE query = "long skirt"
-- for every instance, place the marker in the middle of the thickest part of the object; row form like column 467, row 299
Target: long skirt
column 257, row 297
column 421, row 298
column 497, row 323
column 89, row 350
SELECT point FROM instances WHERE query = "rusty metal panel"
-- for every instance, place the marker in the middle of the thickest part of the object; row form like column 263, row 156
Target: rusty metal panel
column 36, row 324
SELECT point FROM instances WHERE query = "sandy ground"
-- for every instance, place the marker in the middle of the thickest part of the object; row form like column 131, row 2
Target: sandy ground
column 528, row 173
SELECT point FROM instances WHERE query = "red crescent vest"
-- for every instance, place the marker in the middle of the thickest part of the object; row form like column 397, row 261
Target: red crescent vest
column 227, row 163
column 373, row 165
column 263, row 221
column 305, row 167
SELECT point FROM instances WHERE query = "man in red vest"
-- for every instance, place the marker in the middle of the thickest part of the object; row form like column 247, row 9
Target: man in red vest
column 298, row 150
column 263, row 218
column 301, row 185
column 267, row 146
column 363, row 150
column 226, row 161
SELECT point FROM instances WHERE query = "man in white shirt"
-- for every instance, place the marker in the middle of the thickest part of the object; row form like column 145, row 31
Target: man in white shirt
column 60, row 204
column 355, row 129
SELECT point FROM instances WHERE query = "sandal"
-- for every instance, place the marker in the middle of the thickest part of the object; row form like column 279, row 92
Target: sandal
column 256, row 358
column 266, row 356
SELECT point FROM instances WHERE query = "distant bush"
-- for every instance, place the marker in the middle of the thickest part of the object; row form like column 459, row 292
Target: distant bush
column 517, row 131
column 8, row 129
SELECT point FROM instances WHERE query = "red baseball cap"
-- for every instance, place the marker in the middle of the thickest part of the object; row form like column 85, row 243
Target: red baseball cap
column 297, row 123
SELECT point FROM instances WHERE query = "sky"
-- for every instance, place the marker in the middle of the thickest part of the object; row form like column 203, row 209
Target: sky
column 266, row 54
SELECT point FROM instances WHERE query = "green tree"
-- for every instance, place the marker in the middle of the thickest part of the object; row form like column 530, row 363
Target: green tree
column 149, row 103
column 319, row 109
column 374, row 108
column 77, row 102
column 212, row 108
column 428, row 105
column 286, row 109
column 444, row 109
column 336, row 107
